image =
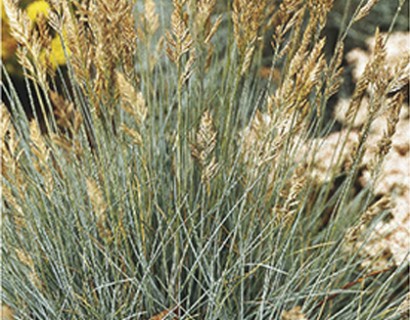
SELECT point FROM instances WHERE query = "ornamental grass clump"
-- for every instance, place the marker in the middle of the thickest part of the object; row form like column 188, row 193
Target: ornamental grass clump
column 154, row 174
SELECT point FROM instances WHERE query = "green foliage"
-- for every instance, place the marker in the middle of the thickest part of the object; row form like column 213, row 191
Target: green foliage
column 169, row 176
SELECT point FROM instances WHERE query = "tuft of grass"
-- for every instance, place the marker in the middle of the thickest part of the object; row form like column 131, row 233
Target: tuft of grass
column 160, row 177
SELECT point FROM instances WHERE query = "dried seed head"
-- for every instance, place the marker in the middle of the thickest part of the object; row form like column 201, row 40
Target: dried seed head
column 10, row 152
column 133, row 134
column 96, row 197
column 13, row 203
column 27, row 260
column 111, row 23
column 4, row 122
column 24, row 258
column 179, row 40
column 132, row 102
column 394, row 107
column 151, row 18
column 205, row 138
column 335, row 73
column 67, row 117
column 188, row 69
column 30, row 41
column 321, row 9
column 365, row 10
column 70, row 146
column 19, row 22
column 202, row 149
column 372, row 211
column 358, row 94
column 38, row 145
column 247, row 59
column 99, row 206
column 247, row 17
column 290, row 198
column 401, row 79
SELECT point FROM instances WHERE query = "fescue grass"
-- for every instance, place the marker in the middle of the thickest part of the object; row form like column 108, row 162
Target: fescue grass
column 167, row 176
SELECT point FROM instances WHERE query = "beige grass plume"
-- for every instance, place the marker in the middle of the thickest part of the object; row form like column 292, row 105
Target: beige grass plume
column 203, row 147
column 99, row 206
column 248, row 18
column 134, row 104
column 179, row 39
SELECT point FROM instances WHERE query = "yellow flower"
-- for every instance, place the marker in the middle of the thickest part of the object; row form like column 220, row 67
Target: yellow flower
column 36, row 8
column 57, row 56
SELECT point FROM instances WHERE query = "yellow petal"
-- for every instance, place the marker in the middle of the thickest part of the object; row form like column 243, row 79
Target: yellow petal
column 36, row 8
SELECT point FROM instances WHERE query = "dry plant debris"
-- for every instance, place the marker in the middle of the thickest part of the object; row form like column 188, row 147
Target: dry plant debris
column 6, row 312
column 294, row 314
